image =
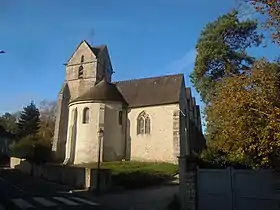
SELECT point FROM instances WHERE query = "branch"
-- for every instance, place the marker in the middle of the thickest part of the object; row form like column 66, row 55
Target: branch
column 261, row 112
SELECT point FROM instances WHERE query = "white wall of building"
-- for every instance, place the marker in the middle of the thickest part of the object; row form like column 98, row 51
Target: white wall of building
column 82, row 147
column 114, row 137
column 158, row 145
column 86, row 140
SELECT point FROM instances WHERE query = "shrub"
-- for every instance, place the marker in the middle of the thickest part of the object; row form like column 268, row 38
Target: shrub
column 22, row 149
column 32, row 150
column 132, row 174
column 139, row 178
column 42, row 153
column 213, row 158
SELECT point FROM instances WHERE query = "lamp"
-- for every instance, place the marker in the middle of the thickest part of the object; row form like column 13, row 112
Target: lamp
column 100, row 134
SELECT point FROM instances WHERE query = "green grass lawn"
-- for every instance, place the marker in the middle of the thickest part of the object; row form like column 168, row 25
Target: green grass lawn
column 132, row 174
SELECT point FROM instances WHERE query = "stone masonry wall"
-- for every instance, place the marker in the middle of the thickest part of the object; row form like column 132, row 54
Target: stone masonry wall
column 191, row 187
column 158, row 145
column 60, row 132
column 176, row 134
column 188, row 183
column 76, row 86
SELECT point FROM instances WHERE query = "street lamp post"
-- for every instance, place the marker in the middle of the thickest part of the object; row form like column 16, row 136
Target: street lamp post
column 32, row 159
column 100, row 138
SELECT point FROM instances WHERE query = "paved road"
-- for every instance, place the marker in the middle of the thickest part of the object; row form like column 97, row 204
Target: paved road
column 20, row 191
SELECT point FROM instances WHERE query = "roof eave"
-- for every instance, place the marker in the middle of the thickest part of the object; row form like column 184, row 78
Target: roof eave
column 150, row 105
column 74, row 102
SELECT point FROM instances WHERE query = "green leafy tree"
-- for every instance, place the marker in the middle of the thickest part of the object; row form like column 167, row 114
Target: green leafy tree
column 221, row 52
column 270, row 10
column 29, row 121
column 23, row 149
column 8, row 121
column 243, row 119
column 35, row 132
column 33, row 149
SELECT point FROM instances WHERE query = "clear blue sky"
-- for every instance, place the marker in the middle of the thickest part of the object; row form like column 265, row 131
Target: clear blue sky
column 145, row 38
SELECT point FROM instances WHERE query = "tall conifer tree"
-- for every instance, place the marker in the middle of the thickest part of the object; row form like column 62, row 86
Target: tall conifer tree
column 29, row 121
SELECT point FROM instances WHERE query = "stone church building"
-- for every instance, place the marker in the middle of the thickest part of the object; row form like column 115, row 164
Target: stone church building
column 147, row 119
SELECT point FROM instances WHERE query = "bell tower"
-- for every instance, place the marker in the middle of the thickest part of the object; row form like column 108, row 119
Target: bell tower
column 87, row 66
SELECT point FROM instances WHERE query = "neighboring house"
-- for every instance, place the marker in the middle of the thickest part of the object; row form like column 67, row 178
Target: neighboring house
column 143, row 119
column 6, row 140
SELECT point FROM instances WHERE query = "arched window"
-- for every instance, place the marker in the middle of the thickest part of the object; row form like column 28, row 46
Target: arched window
column 86, row 115
column 143, row 123
column 81, row 72
column 147, row 125
column 82, row 59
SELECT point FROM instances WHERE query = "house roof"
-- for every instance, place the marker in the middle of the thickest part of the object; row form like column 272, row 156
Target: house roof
column 103, row 91
column 151, row 91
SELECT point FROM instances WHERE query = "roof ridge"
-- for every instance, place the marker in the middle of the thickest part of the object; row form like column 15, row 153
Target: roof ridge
column 147, row 78
column 98, row 46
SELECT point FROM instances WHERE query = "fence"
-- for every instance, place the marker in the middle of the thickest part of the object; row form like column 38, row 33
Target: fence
column 231, row 189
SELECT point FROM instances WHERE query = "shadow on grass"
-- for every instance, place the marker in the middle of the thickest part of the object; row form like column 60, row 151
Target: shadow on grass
column 140, row 179
column 135, row 175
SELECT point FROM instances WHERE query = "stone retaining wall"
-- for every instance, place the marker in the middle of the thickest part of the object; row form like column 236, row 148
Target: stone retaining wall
column 191, row 187
column 188, row 183
column 78, row 177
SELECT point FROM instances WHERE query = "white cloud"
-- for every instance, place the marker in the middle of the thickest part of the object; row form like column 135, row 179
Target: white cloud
column 183, row 63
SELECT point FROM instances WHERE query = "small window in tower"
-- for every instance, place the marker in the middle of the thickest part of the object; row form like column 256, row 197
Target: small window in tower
column 86, row 115
column 82, row 59
column 120, row 117
column 81, row 72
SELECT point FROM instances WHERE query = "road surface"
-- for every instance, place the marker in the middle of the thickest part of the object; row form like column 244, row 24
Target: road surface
column 20, row 191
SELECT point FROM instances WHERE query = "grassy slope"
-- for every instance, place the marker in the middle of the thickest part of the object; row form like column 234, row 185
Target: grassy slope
column 131, row 174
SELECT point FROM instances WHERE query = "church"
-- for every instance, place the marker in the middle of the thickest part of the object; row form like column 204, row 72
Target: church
column 149, row 119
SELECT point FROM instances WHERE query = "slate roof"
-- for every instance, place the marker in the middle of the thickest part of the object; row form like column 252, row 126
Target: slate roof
column 151, row 91
column 138, row 92
column 103, row 91
column 97, row 50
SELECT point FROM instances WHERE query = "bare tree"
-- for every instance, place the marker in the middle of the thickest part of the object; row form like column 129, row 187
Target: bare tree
column 48, row 112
